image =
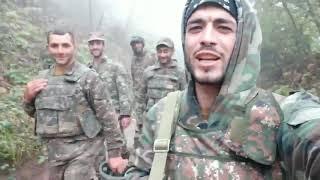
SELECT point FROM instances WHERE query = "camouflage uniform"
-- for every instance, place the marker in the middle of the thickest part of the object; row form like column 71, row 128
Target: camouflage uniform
column 246, row 129
column 298, row 137
column 75, row 118
column 117, row 83
column 138, row 65
column 157, row 82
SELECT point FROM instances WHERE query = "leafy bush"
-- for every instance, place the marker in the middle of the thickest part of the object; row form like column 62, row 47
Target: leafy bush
column 17, row 141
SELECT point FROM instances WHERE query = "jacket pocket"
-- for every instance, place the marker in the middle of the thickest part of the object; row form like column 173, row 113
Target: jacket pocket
column 56, row 117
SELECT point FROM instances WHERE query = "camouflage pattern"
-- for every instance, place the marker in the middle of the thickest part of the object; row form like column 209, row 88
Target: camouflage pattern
column 73, row 115
column 138, row 65
column 298, row 137
column 118, row 84
column 75, row 160
column 157, row 82
column 245, row 128
column 239, row 144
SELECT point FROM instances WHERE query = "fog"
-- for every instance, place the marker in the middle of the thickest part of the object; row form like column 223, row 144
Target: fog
column 149, row 18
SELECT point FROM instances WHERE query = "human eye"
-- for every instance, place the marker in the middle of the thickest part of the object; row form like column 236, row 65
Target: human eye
column 66, row 45
column 194, row 28
column 53, row 45
column 225, row 29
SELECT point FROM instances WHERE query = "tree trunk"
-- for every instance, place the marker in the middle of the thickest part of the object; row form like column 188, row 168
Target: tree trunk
column 313, row 15
column 299, row 35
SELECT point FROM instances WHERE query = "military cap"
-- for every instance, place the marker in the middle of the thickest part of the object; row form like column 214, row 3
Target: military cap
column 165, row 42
column 98, row 36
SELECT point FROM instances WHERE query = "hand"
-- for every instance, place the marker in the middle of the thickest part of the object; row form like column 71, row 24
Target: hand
column 125, row 121
column 117, row 164
column 33, row 88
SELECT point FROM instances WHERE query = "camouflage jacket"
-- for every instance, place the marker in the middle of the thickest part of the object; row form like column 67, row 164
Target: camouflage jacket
column 76, row 106
column 239, row 144
column 247, row 134
column 298, row 137
column 138, row 65
column 157, row 82
column 118, row 84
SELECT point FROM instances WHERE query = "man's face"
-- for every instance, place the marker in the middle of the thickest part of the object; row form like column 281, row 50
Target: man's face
column 209, row 41
column 96, row 48
column 61, row 48
column 137, row 48
column 164, row 54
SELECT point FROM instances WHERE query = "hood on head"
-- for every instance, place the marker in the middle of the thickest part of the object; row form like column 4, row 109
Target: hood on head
column 244, row 66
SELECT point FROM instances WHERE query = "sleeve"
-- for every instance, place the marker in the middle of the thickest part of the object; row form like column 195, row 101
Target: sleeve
column 141, row 165
column 123, row 87
column 98, row 97
column 299, row 137
column 29, row 108
column 182, row 80
column 141, row 97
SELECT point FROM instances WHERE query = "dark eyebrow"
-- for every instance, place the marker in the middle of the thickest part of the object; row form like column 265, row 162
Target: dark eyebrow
column 195, row 21
column 218, row 20
column 223, row 21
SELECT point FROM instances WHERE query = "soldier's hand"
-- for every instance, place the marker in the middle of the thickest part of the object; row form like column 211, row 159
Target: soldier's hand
column 33, row 88
column 125, row 122
column 118, row 164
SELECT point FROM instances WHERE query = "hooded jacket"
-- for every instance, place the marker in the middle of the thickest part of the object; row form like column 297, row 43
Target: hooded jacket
column 239, row 138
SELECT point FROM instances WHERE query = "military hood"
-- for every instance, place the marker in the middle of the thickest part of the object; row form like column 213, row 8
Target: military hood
column 244, row 65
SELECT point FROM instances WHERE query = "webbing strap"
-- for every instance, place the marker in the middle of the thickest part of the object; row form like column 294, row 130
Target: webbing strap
column 161, row 144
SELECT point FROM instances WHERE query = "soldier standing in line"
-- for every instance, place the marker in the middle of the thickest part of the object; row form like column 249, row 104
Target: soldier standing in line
column 141, row 59
column 160, row 79
column 73, row 114
column 114, row 75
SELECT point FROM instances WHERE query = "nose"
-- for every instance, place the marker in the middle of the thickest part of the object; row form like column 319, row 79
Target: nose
column 60, row 49
column 162, row 55
column 208, row 36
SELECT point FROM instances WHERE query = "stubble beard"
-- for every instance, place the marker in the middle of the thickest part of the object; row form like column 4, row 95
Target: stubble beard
column 217, row 81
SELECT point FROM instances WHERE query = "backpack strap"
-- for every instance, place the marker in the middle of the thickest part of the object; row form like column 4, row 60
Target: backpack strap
column 162, row 142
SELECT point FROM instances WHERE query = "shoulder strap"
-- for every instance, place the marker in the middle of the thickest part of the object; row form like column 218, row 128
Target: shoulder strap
column 161, row 144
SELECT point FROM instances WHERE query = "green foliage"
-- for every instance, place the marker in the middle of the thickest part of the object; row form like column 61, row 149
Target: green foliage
column 19, row 42
column 290, row 38
column 17, row 76
column 17, row 141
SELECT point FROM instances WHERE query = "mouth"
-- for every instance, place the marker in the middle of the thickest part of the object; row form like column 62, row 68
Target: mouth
column 207, row 56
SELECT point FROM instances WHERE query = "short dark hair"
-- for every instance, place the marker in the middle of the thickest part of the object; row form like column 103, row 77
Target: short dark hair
column 60, row 32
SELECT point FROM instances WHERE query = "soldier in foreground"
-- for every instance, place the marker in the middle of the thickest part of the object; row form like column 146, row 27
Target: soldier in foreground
column 114, row 75
column 73, row 114
column 160, row 79
column 222, row 126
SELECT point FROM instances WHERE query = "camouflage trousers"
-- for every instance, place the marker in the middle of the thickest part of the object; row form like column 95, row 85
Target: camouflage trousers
column 75, row 159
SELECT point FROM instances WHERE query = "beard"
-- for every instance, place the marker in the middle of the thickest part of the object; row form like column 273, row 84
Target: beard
column 204, row 79
column 96, row 54
column 137, row 51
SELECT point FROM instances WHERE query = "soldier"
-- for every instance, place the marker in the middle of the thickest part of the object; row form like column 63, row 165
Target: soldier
column 140, row 61
column 160, row 79
column 73, row 114
column 114, row 75
column 222, row 126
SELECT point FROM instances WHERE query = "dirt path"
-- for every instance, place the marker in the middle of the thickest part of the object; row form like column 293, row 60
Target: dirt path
column 31, row 170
